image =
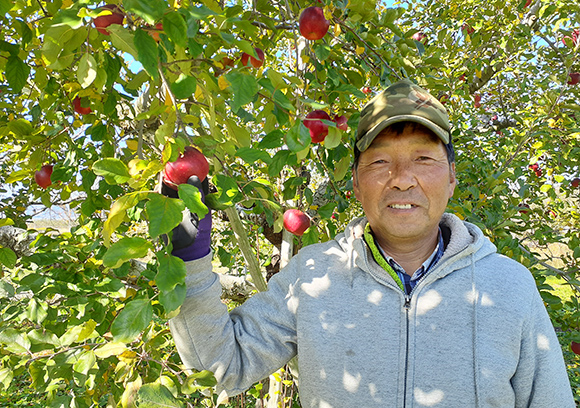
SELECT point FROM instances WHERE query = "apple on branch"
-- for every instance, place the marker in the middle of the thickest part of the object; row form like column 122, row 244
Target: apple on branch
column 296, row 222
column 42, row 176
column 574, row 78
column 318, row 129
column 477, row 99
column 341, row 122
column 575, row 182
column 256, row 62
column 80, row 106
column 190, row 163
column 113, row 16
column 575, row 347
column 312, row 23
column 156, row 32
column 420, row 36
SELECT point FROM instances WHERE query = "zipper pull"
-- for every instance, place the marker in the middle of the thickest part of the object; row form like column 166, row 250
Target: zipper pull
column 407, row 304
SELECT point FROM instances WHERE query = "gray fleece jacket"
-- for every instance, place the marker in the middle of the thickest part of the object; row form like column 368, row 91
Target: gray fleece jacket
column 473, row 333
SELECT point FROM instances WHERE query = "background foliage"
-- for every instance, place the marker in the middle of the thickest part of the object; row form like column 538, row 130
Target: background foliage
column 85, row 324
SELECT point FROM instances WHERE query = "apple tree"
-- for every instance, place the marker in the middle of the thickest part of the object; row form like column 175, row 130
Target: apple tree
column 96, row 97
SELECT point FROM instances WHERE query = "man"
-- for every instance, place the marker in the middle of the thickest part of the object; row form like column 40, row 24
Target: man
column 408, row 307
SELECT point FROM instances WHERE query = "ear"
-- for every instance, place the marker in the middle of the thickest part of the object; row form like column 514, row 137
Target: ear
column 355, row 188
column 452, row 179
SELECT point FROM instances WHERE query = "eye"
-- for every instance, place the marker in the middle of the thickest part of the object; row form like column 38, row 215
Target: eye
column 424, row 158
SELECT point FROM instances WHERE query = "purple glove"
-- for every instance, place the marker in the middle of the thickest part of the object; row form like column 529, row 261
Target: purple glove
column 191, row 239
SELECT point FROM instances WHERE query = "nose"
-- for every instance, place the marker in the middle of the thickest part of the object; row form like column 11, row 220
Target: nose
column 401, row 177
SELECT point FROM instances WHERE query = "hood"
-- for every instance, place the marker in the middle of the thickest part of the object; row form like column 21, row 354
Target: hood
column 465, row 242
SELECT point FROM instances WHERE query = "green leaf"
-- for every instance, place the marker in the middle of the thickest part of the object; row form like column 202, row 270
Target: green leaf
column 227, row 195
column 5, row 6
column 272, row 140
column 16, row 73
column 113, row 170
column 85, row 362
column 164, row 214
column 197, row 381
column 6, row 376
column 341, row 168
column 156, row 395
column 87, row 70
column 175, row 28
column 244, row 86
column 201, row 12
column 174, row 298
column 333, row 138
column 250, row 155
column 171, row 272
column 147, row 53
column 124, row 250
column 14, row 341
column 281, row 99
column 123, row 39
column 281, row 159
column 184, row 87
column 7, row 257
column 149, row 10
column 132, row 320
column 239, row 134
column 191, row 196
column 322, row 51
column 326, row 210
column 298, row 137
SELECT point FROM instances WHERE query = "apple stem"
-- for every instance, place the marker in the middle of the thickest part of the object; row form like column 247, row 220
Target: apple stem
column 244, row 243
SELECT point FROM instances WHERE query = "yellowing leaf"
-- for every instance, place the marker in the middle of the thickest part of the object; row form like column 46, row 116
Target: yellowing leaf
column 198, row 93
column 132, row 144
column 223, row 82
column 359, row 50
column 118, row 214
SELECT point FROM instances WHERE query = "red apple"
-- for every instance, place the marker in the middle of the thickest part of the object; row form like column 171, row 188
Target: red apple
column 256, row 62
column 296, row 222
column 42, row 176
column 575, row 183
column 366, row 90
column 155, row 33
column 534, row 167
column 191, row 163
column 477, row 102
column 524, row 208
column 528, row 2
column 79, row 108
column 571, row 41
column 341, row 122
column 574, row 78
column 419, row 36
column 318, row 129
column 115, row 17
column 467, row 28
column 312, row 23
column 575, row 347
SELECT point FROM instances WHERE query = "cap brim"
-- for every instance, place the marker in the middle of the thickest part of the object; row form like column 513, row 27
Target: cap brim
column 368, row 138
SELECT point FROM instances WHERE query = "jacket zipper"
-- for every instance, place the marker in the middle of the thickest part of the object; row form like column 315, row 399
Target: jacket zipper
column 406, row 306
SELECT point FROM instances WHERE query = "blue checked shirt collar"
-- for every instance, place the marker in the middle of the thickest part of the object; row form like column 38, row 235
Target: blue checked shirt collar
column 409, row 281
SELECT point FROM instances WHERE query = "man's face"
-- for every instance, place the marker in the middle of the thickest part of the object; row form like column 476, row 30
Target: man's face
column 404, row 183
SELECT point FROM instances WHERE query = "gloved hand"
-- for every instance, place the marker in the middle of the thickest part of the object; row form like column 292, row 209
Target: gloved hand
column 191, row 239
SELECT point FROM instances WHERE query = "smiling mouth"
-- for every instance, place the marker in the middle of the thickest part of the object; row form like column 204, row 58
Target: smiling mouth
column 402, row 206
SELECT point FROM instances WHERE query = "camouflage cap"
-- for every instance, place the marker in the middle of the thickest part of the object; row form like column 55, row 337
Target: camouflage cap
column 402, row 101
